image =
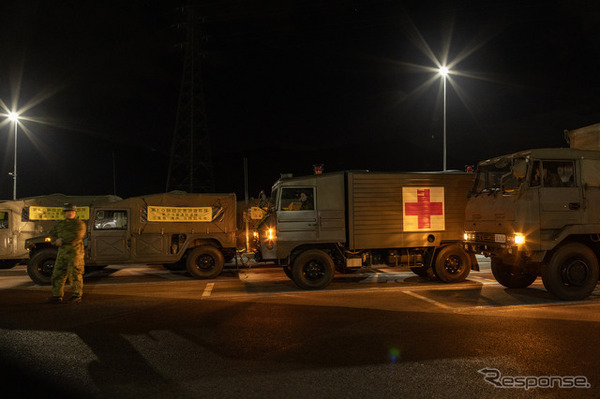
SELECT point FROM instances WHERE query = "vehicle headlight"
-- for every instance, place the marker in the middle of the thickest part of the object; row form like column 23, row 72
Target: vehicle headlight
column 519, row 239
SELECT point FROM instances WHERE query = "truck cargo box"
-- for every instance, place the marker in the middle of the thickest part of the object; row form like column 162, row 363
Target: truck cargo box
column 585, row 138
column 392, row 210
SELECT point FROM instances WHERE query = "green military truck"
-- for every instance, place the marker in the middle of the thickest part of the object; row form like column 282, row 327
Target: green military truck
column 179, row 230
column 537, row 213
column 30, row 217
column 347, row 220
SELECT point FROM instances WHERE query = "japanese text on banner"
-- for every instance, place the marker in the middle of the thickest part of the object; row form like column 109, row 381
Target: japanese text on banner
column 179, row 214
column 56, row 213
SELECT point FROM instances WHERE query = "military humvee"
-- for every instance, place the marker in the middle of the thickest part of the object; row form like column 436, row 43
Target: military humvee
column 179, row 230
column 30, row 217
column 537, row 212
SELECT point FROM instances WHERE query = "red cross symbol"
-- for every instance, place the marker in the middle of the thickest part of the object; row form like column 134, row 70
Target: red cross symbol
column 424, row 208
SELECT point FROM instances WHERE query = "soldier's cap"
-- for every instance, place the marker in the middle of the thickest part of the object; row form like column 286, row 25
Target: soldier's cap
column 69, row 207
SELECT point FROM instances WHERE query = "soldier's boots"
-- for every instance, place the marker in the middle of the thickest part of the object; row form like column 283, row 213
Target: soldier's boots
column 59, row 299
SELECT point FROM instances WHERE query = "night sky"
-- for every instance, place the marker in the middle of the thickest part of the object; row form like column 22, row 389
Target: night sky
column 287, row 84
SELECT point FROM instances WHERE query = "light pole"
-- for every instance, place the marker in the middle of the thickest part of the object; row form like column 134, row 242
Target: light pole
column 15, row 118
column 444, row 73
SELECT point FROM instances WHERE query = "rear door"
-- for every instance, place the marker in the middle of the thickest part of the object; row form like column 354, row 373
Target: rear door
column 110, row 237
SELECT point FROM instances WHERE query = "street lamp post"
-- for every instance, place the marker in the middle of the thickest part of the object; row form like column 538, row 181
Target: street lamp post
column 444, row 73
column 15, row 118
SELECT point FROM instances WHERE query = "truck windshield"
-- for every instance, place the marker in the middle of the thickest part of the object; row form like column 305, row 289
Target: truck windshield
column 505, row 174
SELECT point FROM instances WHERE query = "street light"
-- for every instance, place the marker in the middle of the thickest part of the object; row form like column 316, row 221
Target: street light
column 13, row 116
column 443, row 73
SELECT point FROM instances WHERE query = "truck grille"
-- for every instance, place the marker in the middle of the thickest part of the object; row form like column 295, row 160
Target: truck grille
column 483, row 237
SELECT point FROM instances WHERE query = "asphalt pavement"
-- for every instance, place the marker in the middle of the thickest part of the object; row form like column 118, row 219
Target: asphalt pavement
column 146, row 332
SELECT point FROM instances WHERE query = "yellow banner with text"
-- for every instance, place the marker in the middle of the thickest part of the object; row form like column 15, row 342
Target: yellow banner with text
column 55, row 213
column 179, row 214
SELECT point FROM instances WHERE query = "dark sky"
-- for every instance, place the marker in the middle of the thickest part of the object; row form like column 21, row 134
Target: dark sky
column 287, row 84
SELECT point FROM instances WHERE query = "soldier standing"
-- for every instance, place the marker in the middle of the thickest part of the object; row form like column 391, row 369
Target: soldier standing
column 68, row 235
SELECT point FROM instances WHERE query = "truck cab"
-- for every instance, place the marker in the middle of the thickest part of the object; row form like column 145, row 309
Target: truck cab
column 305, row 212
column 537, row 212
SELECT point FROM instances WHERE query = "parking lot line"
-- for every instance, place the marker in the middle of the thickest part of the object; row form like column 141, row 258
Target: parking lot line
column 432, row 301
column 208, row 289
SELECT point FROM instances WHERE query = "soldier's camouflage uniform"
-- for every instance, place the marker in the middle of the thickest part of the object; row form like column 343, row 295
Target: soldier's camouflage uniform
column 69, row 261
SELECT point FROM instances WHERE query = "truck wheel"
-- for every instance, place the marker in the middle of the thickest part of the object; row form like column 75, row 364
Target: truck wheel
column 288, row 272
column 509, row 277
column 41, row 266
column 452, row 264
column 572, row 273
column 8, row 263
column 205, row 262
column 423, row 271
column 313, row 270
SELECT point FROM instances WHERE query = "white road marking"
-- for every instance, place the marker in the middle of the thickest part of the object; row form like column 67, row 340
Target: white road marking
column 434, row 302
column 208, row 289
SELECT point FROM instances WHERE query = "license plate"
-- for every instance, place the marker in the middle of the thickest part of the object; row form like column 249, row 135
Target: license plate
column 500, row 238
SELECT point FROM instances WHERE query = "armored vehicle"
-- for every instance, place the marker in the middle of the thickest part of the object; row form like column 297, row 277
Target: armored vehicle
column 537, row 213
column 193, row 231
column 347, row 220
column 30, row 217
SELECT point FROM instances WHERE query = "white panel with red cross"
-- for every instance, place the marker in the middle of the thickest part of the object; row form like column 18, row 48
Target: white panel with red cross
column 423, row 208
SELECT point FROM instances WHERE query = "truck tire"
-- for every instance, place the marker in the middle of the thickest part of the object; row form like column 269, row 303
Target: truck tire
column 452, row 264
column 41, row 266
column 205, row 262
column 509, row 277
column 572, row 272
column 8, row 263
column 313, row 270
column 288, row 272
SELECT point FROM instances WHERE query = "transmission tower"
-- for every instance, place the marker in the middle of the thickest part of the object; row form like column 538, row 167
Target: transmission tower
column 190, row 167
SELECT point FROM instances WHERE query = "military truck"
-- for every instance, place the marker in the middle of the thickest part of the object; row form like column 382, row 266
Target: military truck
column 537, row 213
column 179, row 230
column 346, row 220
column 33, row 216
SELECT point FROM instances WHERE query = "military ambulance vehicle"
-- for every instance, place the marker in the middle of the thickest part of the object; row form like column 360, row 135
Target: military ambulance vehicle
column 30, row 217
column 537, row 213
column 347, row 220
column 196, row 231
